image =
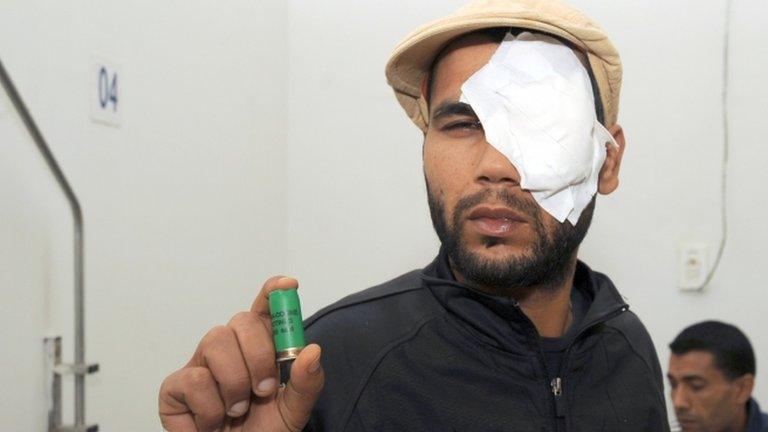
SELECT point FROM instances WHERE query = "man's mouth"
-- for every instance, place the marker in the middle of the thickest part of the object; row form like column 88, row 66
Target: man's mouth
column 686, row 422
column 495, row 221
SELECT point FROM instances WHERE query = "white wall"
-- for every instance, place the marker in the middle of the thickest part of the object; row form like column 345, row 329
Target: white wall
column 28, row 205
column 181, row 202
column 671, row 176
column 356, row 202
column 357, row 212
column 261, row 138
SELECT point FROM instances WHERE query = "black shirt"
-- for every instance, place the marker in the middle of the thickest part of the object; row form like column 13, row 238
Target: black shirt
column 554, row 348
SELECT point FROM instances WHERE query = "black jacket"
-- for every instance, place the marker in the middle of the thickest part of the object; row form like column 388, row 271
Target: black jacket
column 757, row 421
column 425, row 353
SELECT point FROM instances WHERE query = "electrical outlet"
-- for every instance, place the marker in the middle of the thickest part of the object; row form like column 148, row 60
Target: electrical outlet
column 693, row 265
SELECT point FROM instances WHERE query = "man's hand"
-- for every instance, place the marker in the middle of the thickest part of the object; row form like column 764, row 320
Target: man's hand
column 231, row 382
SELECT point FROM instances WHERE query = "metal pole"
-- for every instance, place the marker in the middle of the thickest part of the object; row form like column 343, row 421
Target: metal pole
column 53, row 398
column 77, row 217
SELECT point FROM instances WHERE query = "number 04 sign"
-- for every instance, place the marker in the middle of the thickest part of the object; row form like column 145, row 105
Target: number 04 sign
column 105, row 92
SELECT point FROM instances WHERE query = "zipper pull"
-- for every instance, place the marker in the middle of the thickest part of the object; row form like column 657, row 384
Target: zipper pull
column 557, row 391
column 557, row 386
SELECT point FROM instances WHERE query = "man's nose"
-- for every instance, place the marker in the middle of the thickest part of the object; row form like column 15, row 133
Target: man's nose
column 493, row 168
column 680, row 400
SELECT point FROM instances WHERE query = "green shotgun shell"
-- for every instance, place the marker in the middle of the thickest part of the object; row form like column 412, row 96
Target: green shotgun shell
column 287, row 329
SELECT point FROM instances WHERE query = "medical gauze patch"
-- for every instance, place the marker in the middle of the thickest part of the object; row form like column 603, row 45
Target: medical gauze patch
column 535, row 102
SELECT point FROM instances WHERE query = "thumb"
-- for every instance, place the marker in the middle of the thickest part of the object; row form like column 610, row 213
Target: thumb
column 306, row 381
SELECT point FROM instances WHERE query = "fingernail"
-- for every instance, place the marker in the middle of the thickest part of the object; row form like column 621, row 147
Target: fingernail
column 239, row 409
column 266, row 386
column 314, row 366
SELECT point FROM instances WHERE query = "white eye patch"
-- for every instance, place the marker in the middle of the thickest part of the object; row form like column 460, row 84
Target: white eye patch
column 534, row 99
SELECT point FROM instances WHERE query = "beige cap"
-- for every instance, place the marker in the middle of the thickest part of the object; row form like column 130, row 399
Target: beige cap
column 413, row 57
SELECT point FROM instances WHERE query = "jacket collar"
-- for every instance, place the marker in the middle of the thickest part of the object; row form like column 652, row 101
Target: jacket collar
column 756, row 419
column 499, row 320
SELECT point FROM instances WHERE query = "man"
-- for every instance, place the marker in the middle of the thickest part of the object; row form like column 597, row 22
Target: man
column 505, row 330
column 712, row 373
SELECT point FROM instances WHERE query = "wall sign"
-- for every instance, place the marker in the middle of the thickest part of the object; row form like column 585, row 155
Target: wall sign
column 105, row 83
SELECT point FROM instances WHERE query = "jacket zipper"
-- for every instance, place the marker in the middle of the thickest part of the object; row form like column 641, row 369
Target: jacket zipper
column 556, row 385
column 557, row 392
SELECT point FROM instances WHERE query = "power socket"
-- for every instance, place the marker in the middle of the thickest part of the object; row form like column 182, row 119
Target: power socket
column 693, row 266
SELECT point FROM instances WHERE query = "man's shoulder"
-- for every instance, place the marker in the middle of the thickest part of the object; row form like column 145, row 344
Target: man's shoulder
column 635, row 336
column 763, row 422
column 404, row 283
column 758, row 420
column 379, row 313
column 629, row 323
column 357, row 332
column 621, row 320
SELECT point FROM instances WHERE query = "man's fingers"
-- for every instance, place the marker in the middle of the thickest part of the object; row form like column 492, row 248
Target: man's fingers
column 178, row 423
column 221, row 353
column 189, row 401
column 298, row 398
column 258, row 351
column 260, row 305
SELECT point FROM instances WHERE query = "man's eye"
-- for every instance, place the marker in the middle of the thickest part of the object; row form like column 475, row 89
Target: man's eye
column 463, row 125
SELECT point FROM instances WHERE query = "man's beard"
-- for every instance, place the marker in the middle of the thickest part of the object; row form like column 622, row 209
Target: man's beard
column 546, row 264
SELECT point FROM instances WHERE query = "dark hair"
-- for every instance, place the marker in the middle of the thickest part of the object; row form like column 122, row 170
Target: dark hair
column 728, row 345
column 497, row 34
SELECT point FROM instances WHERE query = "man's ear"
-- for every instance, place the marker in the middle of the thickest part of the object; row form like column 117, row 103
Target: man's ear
column 745, row 385
column 608, row 180
column 425, row 98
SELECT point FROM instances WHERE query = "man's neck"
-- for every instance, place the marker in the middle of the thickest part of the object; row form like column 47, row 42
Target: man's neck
column 549, row 310
column 739, row 423
column 548, row 307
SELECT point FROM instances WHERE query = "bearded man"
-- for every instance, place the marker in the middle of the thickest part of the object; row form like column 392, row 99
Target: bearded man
column 506, row 329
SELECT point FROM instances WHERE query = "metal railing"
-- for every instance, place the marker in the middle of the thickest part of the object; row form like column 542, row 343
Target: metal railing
column 53, row 345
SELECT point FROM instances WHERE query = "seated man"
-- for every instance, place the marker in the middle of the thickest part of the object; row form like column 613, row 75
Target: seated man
column 712, row 373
